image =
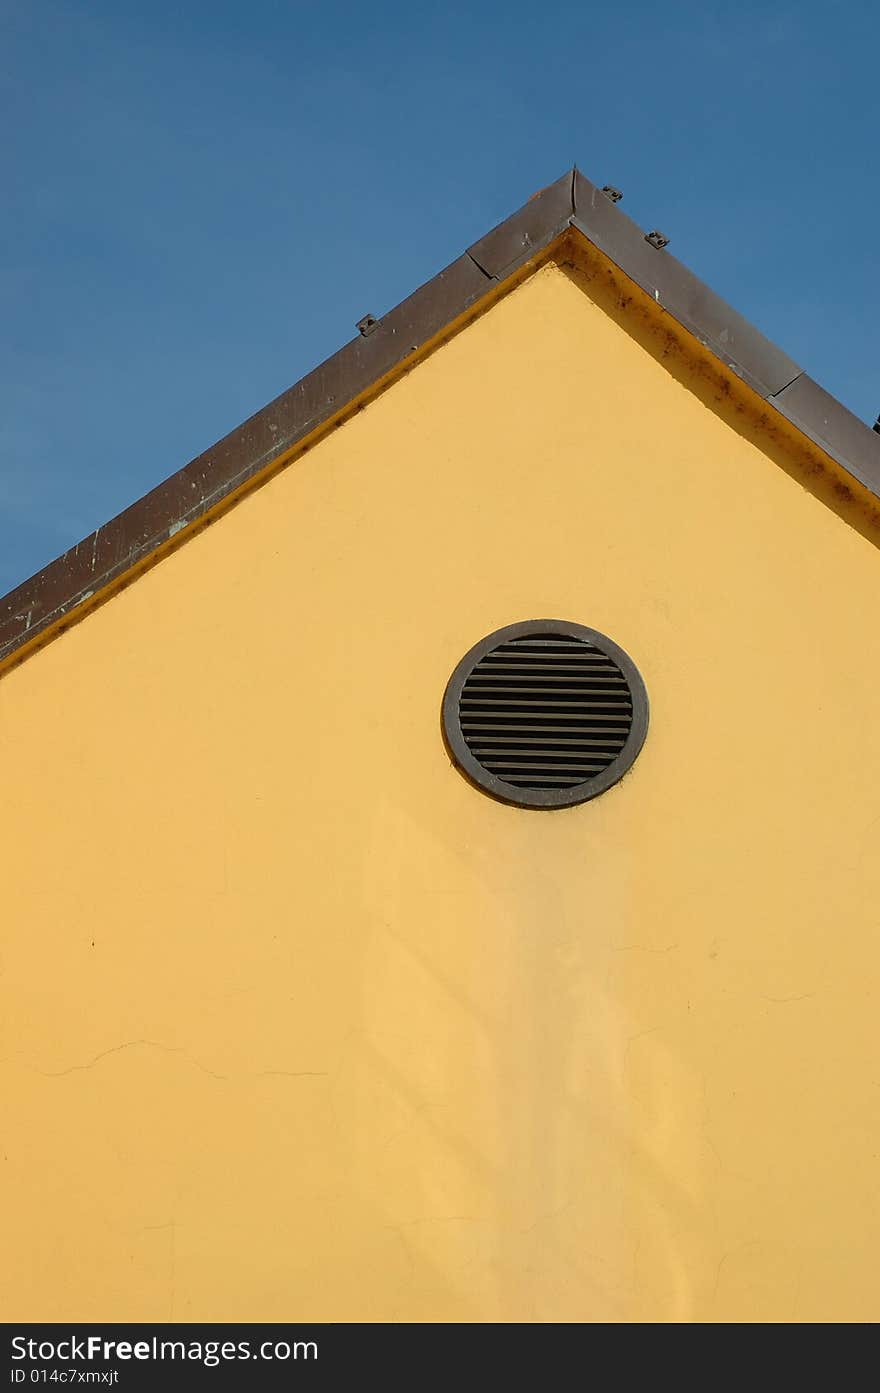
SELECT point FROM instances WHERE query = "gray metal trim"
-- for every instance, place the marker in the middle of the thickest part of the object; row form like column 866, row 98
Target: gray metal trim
column 671, row 285
column 730, row 337
column 88, row 568
column 46, row 600
column 513, row 242
column 828, row 423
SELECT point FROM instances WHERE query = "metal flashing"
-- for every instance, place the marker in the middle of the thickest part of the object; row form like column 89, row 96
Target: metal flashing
column 677, row 290
column 828, row 423
column 46, row 601
column 546, row 215
column 88, row 568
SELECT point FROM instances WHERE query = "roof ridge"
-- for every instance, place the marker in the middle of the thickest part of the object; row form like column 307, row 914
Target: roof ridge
column 64, row 589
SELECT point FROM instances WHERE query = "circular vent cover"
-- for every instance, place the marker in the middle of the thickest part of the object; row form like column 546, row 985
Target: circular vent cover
column 545, row 714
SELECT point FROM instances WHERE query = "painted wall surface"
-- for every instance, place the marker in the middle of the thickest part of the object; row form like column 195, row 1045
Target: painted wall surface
column 299, row 1025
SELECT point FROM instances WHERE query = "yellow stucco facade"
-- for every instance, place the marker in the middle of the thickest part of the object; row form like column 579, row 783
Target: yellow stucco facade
column 299, row 1025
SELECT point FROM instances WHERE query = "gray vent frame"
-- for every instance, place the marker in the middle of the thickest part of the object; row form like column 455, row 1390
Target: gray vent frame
column 544, row 798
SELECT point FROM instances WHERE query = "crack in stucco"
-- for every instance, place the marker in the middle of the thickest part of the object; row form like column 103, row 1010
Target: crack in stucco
column 172, row 1049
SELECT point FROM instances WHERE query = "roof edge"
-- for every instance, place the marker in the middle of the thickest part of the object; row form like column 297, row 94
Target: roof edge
column 70, row 585
column 725, row 333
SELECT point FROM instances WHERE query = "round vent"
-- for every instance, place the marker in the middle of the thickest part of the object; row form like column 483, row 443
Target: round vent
column 545, row 714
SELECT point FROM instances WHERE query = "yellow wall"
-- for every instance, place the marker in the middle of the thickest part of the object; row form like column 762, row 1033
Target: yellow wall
column 299, row 1025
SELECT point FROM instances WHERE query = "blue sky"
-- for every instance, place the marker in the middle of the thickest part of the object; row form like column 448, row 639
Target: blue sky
column 201, row 199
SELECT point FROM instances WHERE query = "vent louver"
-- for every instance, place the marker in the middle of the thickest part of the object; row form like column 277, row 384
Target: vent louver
column 545, row 714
